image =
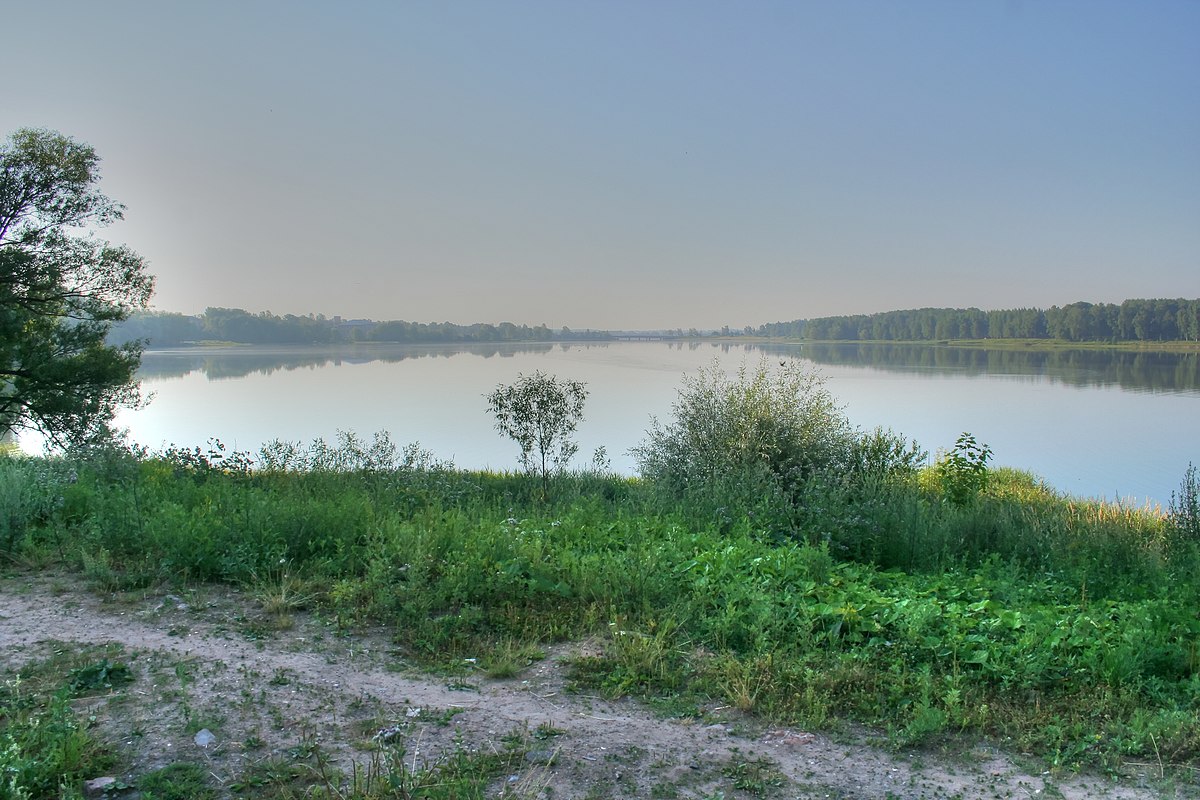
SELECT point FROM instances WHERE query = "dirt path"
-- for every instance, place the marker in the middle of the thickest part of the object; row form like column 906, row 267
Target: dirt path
column 274, row 694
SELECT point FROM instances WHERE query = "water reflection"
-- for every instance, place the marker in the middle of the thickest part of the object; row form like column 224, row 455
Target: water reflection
column 1131, row 371
column 1093, row 423
column 217, row 363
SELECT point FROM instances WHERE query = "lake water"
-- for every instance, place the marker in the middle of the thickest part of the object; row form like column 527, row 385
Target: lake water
column 1096, row 424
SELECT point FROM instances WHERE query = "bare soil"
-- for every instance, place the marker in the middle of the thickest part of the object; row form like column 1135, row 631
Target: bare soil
column 273, row 690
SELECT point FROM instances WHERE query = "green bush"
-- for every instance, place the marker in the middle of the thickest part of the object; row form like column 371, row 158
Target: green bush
column 763, row 446
column 1184, row 508
column 751, row 439
column 30, row 492
column 963, row 472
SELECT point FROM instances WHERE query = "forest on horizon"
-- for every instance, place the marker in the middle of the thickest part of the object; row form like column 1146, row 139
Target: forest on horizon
column 1155, row 320
column 1140, row 320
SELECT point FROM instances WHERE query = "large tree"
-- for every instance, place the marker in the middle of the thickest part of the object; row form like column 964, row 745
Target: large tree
column 61, row 289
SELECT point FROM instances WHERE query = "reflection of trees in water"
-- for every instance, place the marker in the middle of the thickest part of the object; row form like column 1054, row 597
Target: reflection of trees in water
column 1135, row 371
column 219, row 363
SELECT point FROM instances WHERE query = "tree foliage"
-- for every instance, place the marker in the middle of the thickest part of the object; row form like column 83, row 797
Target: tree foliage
column 540, row 412
column 1131, row 321
column 162, row 329
column 61, row 289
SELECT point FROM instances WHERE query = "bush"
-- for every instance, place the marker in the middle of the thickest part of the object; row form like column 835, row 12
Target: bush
column 781, row 424
column 1184, row 509
column 30, row 492
column 963, row 472
column 882, row 453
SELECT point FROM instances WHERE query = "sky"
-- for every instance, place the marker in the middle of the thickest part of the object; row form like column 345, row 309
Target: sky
column 630, row 165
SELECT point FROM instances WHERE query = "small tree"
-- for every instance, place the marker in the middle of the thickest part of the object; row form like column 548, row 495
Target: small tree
column 540, row 412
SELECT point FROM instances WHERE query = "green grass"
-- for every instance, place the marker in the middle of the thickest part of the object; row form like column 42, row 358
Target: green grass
column 1065, row 627
column 178, row 781
column 388, row 774
column 46, row 750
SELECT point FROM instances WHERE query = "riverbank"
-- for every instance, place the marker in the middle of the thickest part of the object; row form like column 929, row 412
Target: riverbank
column 1017, row 620
column 206, row 692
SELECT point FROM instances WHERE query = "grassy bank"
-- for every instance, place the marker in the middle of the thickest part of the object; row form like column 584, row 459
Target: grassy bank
column 1064, row 628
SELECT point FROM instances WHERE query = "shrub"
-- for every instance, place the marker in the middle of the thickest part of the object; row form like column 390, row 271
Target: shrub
column 883, row 453
column 1184, row 508
column 30, row 492
column 769, row 445
column 777, row 425
column 963, row 472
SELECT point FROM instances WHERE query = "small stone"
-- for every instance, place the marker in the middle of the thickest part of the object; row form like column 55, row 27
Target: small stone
column 96, row 787
column 204, row 738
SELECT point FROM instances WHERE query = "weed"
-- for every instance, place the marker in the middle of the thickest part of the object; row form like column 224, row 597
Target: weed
column 547, row 731
column 963, row 472
column 179, row 781
column 43, row 743
column 758, row 777
column 389, row 774
column 99, row 676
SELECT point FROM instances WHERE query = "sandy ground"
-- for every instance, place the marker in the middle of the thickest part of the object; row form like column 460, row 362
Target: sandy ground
column 273, row 694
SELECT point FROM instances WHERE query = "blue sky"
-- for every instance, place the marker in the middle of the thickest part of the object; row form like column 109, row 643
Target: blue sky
column 631, row 164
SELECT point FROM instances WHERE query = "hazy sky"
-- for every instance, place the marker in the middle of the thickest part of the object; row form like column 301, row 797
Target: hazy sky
column 631, row 164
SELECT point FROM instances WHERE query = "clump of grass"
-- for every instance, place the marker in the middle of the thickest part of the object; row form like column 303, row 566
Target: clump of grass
column 179, row 781
column 390, row 773
column 281, row 593
column 43, row 743
column 510, row 657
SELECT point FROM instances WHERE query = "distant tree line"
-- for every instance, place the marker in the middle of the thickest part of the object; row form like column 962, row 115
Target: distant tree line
column 1131, row 321
column 167, row 329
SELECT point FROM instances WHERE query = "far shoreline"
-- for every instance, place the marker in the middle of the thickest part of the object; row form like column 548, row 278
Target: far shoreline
column 1177, row 346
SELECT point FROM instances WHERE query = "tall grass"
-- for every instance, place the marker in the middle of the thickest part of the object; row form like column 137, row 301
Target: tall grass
column 1069, row 626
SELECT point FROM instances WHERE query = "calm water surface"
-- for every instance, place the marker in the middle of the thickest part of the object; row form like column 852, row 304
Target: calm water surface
column 1115, row 425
